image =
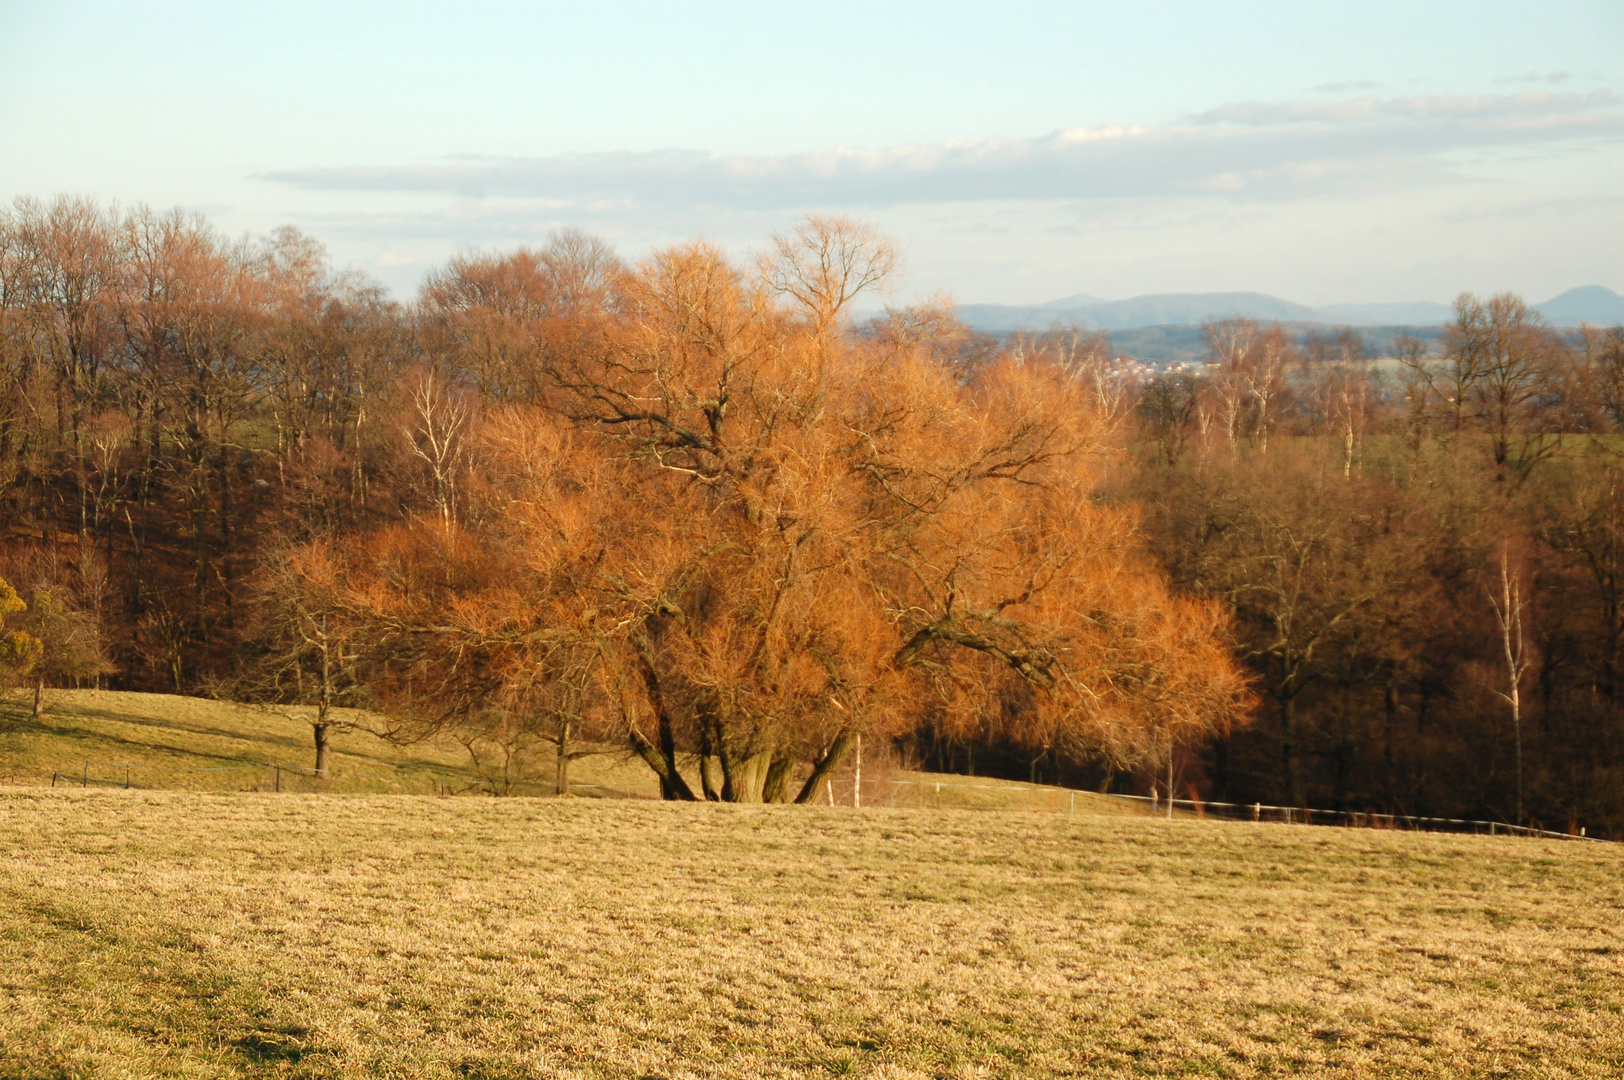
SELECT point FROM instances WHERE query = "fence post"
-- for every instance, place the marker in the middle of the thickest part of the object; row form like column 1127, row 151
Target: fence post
column 278, row 769
column 53, row 778
column 126, row 776
column 86, row 781
column 857, row 778
column 1069, row 813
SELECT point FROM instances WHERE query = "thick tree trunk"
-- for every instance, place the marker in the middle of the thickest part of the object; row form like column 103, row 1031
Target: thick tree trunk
column 744, row 779
column 707, row 777
column 776, row 787
column 39, row 693
column 662, row 758
column 672, row 786
column 832, row 759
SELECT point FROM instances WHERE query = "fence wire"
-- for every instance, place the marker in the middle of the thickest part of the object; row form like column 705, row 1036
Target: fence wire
column 838, row 791
column 1059, row 800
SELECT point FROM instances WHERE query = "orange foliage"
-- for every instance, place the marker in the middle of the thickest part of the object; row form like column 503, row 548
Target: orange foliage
column 742, row 535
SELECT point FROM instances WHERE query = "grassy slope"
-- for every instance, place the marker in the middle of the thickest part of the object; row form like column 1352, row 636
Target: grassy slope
column 201, row 745
column 197, row 744
column 206, row 935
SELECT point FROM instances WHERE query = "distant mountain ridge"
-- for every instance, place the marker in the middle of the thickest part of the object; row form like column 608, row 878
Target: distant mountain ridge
column 1588, row 303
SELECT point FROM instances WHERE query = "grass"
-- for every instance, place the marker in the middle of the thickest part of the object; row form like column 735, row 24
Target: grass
column 168, row 742
column 229, row 931
column 107, row 738
column 190, row 934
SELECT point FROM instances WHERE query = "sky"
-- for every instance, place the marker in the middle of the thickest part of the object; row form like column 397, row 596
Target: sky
column 1015, row 152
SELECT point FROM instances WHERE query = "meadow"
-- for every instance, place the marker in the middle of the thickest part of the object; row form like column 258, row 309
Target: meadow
column 111, row 738
column 250, row 934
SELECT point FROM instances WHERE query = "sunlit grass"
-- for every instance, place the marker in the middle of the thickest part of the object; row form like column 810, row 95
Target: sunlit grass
column 187, row 934
column 162, row 741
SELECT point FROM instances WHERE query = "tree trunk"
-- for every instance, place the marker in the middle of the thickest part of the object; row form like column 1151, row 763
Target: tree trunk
column 707, row 778
column 39, row 692
column 1170, row 782
column 1291, row 752
column 775, row 789
column 227, row 520
column 832, row 759
column 662, row 759
column 672, row 786
column 744, row 780
column 1516, row 730
column 561, row 776
column 322, row 749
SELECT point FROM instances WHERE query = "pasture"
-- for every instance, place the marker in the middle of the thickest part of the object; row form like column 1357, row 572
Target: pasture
column 188, row 934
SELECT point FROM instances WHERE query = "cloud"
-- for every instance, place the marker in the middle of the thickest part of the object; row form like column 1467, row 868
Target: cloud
column 1551, row 78
column 1466, row 110
column 1590, row 206
column 1344, row 87
column 1239, row 151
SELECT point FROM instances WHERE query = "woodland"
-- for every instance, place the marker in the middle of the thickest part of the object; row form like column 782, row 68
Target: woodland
column 696, row 511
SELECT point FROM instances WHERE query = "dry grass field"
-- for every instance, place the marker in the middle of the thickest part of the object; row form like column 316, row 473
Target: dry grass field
column 110, row 738
column 248, row 934
column 162, row 741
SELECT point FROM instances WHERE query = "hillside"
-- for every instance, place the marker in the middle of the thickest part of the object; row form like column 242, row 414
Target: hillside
column 164, row 934
column 113, row 739
column 109, row 738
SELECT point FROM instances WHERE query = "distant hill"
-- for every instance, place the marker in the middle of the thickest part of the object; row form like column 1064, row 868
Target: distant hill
column 1161, row 309
column 1590, row 303
column 1586, row 304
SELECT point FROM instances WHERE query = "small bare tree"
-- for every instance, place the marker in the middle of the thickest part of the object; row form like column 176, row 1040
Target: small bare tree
column 438, row 426
column 825, row 263
column 1508, row 616
column 306, row 663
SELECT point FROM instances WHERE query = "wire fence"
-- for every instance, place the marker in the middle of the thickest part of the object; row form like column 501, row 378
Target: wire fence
column 275, row 777
column 850, row 791
column 882, row 791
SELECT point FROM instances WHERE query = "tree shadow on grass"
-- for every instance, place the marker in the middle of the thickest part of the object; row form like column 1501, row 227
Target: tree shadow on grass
column 58, row 724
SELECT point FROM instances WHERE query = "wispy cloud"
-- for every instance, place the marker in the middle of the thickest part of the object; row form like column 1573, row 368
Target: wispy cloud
column 1476, row 114
column 1350, row 86
column 1548, row 78
column 1243, row 150
column 1561, row 206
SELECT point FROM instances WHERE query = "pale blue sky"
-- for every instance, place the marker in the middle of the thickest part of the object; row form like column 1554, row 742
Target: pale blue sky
column 1017, row 152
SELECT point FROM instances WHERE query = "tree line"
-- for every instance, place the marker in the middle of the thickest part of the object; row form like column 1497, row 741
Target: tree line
column 695, row 510
column 1422, row 556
